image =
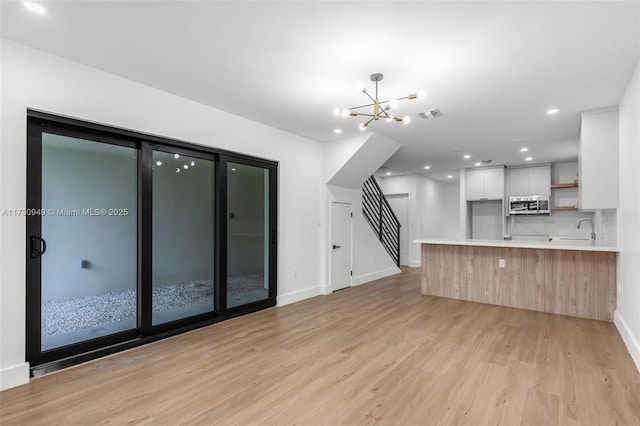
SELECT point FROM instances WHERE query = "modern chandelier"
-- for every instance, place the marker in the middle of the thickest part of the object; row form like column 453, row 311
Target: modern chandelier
column 381, row 109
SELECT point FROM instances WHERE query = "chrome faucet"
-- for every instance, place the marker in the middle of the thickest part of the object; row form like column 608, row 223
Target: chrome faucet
column 593, row 233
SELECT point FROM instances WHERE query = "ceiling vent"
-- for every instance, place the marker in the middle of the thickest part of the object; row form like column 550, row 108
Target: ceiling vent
column 487, row 161
column 428, row 115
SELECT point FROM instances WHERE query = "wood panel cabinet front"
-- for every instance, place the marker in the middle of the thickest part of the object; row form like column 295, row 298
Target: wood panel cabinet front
column 566, row 282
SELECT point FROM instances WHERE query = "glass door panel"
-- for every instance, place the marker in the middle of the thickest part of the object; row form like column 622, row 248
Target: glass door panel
column 183, row 236
column 89, row 226
column 247, row 234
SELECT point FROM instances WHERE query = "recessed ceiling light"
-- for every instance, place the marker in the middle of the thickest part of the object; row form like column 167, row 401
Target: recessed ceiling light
column 388, row 173
column 450, row 177
column 176, row 156
column 553, row 111
column 528, row 158
column 478, row 164
column 34, row 7
column 427, row 167
column 467, row 156
column 337, row 131
column 233, row 170
column 524, row 149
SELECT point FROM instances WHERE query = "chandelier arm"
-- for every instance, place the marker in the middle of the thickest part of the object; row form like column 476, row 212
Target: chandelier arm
column 370, row 121
column 365, row 115
column 361, row 106
column 372, row 100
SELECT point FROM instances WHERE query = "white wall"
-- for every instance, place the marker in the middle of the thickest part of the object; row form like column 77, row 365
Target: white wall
column 34, row 79
column 433, row 208
column 438, row 209
column 627, row 316
column 347, row 164
column 407, row 184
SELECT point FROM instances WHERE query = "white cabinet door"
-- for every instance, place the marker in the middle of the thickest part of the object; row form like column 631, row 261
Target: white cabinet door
column 598, row 160
column 518, row 181
column 474, row 182
column 494, row 183
column 530, row 181
column 540, row 180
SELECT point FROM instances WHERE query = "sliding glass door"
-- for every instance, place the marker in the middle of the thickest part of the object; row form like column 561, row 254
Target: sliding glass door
column 132, row 237
column 89, row 226
column 183, row 236
column 250, row 231
column 247, row 234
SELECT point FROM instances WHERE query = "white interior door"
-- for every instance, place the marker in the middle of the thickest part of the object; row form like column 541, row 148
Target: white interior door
column 340, row 246
column 400, row 205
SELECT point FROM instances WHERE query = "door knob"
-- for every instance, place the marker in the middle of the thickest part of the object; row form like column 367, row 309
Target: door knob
column 335, row 247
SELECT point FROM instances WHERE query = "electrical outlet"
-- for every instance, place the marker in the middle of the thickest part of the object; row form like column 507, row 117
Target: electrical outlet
column 294, row 273
column 501, row 263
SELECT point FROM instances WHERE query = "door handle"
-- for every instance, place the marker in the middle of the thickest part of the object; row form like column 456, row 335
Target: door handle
column 335, row 247
column 38, row 246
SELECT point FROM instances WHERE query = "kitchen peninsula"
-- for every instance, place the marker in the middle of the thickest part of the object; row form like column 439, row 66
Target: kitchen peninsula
column 563, row 277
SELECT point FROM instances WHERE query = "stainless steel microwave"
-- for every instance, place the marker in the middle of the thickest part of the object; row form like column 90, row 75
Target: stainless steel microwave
column 529, row 204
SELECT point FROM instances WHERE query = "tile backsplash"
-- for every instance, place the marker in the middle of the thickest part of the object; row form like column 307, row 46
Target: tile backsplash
column 563, row 224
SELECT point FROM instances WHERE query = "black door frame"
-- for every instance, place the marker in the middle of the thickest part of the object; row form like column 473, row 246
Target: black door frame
column 39, row 122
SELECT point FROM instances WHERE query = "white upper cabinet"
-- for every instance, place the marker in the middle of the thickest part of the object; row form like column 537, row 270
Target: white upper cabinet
column 485, row 184
column 540, row 180
column 534, row 180
column 598, row 160
column 474, row 184
column 518, row 181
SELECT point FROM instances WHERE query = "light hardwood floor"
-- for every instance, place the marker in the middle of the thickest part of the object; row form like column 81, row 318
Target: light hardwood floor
column 379, row 353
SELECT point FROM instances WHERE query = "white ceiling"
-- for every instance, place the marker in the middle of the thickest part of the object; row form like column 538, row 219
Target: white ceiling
column 493, row 68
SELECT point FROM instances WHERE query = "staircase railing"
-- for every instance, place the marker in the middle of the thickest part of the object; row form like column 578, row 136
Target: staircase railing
column 380, row 216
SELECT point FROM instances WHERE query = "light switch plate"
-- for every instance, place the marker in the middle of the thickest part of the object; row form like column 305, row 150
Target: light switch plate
column 501, row 263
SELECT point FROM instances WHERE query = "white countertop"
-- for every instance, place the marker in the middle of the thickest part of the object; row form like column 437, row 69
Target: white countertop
column 583, row 245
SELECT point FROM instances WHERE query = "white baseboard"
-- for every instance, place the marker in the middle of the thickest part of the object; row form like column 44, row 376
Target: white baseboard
column 296, row 296
column 415, row 264
column 628, row 338
column 326, row 289
column 14, row 376
column 362, row 279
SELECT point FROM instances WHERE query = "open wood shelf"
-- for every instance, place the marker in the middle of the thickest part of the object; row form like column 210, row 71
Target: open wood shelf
column 564, row 185
column 564, row 208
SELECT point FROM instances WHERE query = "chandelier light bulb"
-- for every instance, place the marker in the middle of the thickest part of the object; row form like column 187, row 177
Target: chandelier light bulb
column 362, row 126
column 422, row 94
column 406, row 119
column 336, row 111
column 344, row 112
